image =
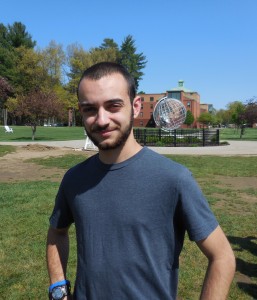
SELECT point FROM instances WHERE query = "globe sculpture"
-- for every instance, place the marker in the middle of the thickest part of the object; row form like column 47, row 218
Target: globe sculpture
column 169, row 113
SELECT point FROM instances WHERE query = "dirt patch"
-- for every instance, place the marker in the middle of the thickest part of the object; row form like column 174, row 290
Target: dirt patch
column 14, row 168
column 37, row 147
column 238, row 182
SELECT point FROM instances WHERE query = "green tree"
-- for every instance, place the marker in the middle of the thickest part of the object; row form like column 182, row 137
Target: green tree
column 12, row 37
column 53, row 61
column 134, row 62
column 7, row 55
column 109, row 43
column 236, row 110
column 189, row 118
column 205, row 118
column 223, row 117
column 17, row 36
column 30, row 72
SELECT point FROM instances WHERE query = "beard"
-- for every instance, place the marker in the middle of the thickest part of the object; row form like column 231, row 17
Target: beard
column 118, row 142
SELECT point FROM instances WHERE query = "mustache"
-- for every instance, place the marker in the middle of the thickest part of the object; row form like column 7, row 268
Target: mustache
column 98, row 128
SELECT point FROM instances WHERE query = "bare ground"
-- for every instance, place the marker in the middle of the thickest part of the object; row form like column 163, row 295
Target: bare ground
column 15, row 167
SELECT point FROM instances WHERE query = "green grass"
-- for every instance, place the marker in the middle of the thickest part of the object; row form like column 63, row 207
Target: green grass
column 207, row 166
column 250, row 134
column 6, row 149
column 24, row 133
column 25, row 208
column 63, row 162
column 24, row 211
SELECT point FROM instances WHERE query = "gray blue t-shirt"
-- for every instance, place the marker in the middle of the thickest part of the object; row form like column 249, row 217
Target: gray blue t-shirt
column 130, row 220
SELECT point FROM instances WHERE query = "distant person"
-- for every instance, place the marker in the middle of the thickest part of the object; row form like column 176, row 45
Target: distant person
column 131, row 208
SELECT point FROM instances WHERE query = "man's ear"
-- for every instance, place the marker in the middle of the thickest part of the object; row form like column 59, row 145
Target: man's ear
column 136, row 106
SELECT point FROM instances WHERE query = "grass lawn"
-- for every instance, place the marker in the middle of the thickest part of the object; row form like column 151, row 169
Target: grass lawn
column 24, row 133
column 25, row 207
column 250, row 134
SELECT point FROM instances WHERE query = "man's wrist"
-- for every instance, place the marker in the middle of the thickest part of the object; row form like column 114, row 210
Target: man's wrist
column 58, row 283
column 59, row 290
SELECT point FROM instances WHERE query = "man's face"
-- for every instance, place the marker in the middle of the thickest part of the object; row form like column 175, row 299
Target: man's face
column 107, row 111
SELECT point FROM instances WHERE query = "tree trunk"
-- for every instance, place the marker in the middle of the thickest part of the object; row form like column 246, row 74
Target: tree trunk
column 34, row 129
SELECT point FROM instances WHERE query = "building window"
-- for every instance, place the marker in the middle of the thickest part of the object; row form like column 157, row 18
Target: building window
column 174, row 95
column 151, row 106
column 151, row 99
column 188, row 103
column 142, row 106
column 142, row 99
column 141, row 114
column 141, row 123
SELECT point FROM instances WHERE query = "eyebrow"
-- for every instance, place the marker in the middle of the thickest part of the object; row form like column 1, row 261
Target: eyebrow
column 111, row 101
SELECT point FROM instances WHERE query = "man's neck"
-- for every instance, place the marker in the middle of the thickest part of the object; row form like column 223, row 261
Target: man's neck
column 120, row 154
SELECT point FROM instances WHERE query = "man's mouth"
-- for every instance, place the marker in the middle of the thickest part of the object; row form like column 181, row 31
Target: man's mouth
column 104, row 132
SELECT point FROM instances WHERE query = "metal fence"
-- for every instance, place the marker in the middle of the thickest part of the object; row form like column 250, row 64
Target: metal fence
column 177, row 137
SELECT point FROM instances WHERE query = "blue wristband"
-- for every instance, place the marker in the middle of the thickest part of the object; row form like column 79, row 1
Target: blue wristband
column 58, row 283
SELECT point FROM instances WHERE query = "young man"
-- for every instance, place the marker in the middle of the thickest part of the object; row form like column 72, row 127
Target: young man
column 131, row 208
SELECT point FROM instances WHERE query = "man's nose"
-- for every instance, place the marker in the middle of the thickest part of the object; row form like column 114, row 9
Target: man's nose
column 102, row 117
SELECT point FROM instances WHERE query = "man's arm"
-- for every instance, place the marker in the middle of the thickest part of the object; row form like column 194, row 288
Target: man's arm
column 57, row 254
column 221, row 266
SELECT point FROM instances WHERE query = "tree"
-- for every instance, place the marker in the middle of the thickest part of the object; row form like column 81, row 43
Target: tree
column 12, row 37
column 237, row 112
column 250, row 112
column 36, row 106
column 189, row 118
column 205, row 118
column 109, row 43
column 134, row 62
column 31, row 71
column 223, row 117
column 53, row 60
column 7, row 55
column 17, row 36
column 5, row 91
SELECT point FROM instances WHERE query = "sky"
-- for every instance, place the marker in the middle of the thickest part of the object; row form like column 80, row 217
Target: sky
column 210, row 44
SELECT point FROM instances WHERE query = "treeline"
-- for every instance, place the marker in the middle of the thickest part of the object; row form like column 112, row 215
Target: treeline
column 238, row 114
column 30, row 75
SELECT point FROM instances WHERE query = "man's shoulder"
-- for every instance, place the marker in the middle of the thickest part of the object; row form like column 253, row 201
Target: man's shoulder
column 162, row 161
column 80, row 168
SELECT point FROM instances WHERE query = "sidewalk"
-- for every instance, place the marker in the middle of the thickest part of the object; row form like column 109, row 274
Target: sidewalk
column 242, row 148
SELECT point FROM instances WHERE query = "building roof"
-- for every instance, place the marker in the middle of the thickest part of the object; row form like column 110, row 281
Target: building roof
column 181, row 87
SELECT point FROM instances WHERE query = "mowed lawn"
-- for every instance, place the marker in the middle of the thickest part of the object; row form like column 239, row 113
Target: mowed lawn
column 24, row 133
column 25, row 206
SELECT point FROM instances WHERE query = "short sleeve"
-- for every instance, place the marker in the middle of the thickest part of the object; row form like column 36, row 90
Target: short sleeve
column 61, row 216
column 199, row 220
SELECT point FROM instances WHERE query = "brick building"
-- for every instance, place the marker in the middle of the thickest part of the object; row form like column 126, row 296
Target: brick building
column 206, row 108
column 190, row 99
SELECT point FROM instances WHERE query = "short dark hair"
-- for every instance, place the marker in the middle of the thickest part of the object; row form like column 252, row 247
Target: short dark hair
column 102, row 69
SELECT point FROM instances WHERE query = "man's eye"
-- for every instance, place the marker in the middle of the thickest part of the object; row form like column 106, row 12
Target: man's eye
column 115, row 107
column 88, row 109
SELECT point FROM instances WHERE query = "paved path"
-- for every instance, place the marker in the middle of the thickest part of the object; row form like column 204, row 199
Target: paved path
column 246, row 148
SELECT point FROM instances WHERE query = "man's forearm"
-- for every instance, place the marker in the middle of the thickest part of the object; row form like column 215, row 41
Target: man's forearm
column 218, row 279
column 57, row 254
